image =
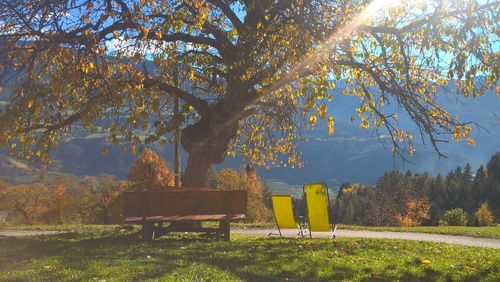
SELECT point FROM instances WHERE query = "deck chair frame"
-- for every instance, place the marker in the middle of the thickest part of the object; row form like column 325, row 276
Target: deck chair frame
column 333, row 227
column 302, row 230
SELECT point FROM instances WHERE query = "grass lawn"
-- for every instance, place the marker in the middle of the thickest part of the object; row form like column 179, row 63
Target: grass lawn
column 483, row 232
column 114, row 256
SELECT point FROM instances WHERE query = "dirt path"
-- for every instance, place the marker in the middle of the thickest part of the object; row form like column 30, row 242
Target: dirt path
column 22, row 233
column 345, row 233
column 340, row 233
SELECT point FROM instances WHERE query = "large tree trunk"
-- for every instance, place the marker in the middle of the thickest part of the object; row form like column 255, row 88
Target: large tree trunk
column 206, row 142
column 196, row 170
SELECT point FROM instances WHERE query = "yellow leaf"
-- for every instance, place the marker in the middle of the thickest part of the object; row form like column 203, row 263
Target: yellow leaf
column 312, row 119
column 321, row 111
column 471, row 142
column 470, row 268
column 331, row 125
column 146, row 32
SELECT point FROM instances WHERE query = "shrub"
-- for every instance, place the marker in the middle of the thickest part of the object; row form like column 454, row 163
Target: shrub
column 230, row 179
column 484, row 215
column 454, row 217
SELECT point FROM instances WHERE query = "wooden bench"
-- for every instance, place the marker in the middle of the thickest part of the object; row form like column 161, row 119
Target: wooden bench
column 151, row 209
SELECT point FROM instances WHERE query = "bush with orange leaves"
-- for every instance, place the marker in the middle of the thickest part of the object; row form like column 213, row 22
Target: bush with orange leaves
column 150, row 172
column 417, row 210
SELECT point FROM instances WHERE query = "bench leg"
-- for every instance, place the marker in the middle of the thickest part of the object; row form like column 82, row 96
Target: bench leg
column 147, row 231
column 225, row 229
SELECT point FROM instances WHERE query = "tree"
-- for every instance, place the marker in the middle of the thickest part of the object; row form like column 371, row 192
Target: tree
column 150, row 172
column 492, row 183
column 267, row 194
column 439, row 198
column 479, row 184
column 3, row 196
column 103, row 193
column 252, row 73
column 60, row 204
column 30, row 202
column 349, row 204
column 416, row 211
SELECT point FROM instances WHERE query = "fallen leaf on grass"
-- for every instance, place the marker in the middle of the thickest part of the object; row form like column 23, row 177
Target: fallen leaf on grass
column 425, row 261
column 470, row 268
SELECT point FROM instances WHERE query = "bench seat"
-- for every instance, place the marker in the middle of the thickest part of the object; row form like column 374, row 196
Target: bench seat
column 185, row 218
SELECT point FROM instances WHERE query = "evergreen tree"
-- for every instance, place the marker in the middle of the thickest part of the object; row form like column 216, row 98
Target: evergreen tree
column 466, row 200
column 492, row 184
column 267, row 194
column 439, row 198
column 479, row 185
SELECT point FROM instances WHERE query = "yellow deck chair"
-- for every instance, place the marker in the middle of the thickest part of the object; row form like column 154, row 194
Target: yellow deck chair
column 284, row 216
column 318, row 208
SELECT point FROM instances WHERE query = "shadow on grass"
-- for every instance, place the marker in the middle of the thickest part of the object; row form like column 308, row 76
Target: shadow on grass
column 116, row 256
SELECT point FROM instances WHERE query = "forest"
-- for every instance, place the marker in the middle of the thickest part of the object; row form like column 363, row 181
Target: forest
column 462, row 197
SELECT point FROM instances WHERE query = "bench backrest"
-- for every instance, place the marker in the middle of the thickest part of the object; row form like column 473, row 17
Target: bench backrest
column 185, row 202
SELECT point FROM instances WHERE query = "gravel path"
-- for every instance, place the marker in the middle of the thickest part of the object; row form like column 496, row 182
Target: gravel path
column 345, row 233
column 340, row 233
column 23, row 233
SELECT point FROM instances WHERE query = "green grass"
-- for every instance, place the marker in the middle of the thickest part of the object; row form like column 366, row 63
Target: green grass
column 115, row 256
column 481, row 232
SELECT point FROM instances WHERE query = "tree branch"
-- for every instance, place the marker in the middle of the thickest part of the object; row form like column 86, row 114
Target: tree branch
column 226, row 9
column 200, row 105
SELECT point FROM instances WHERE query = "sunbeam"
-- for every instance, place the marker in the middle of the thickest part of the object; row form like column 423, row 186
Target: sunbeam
column 370, row 11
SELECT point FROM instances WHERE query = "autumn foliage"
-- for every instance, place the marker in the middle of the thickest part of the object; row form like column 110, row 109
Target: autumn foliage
column 484, row 215
column 417, row 210
column 29, row 201
column 231, row 179
column 64, row 199
column 59, row 203
column 150, row 172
